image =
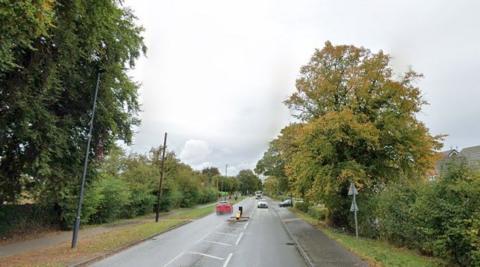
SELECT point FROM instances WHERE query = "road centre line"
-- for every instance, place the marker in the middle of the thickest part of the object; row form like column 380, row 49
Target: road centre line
column 245, row 226
column 206, row 255
column 174, row 259
column 239, row 238
column 222, row 233
column 228, row 260
column 218, row 243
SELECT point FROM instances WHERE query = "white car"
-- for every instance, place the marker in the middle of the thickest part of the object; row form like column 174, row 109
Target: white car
column 262, row 205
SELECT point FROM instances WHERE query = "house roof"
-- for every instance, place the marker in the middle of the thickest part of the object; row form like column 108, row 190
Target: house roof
column 471, row 153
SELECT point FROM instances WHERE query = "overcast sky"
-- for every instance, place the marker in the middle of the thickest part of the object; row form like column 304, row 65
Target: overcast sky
column 217, row 71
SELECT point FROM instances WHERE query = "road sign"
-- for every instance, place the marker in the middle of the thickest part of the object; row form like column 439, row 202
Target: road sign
column 354, row 207
column 352, row 190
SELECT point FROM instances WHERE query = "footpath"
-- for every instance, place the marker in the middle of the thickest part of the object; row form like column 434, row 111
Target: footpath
column 57, row 237
column 316, row 247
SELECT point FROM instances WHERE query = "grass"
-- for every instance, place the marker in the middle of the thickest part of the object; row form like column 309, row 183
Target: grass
column 376, row 252
column 104, row 243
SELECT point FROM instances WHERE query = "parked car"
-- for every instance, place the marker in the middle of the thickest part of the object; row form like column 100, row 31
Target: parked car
column 223, row 207
column 286, row 203
column 262, row 205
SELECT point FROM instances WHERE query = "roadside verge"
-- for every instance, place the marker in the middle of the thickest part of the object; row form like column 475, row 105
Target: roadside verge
column 104, row 244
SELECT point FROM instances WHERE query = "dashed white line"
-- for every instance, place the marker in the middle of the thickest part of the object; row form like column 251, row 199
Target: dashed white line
column 222, row 233
column 205, row 255
column 228, row 260
column 245, row 226
column 218, row 243
column 172, row 260
column 239, row 238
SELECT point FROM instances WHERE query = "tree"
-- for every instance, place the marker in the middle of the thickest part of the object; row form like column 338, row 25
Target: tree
column 272, row 164
column 358, row 124
column 249, row 182
column 47, row 85
column 211, row 171
column 271, row 186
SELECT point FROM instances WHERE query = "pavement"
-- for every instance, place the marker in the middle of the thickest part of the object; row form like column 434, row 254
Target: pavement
column 268, row 238
column 55, row 238
column 320, row 250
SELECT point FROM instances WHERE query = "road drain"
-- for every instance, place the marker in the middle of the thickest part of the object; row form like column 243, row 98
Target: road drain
column 290, row 244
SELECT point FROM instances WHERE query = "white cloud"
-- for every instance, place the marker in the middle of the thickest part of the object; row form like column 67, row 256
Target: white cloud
column 195, row 152
column 218, row 70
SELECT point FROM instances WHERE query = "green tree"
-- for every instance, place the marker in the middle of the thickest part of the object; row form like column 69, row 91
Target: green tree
column 249, row 182
column 359, row 125
column 47, row 90
column 273, row 164
column 271, row 186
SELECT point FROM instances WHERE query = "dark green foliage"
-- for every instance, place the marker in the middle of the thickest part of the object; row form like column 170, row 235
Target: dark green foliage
column 53, row 51
column 303, row 206
column 207, row 195
column 19, row 218
column 319, row 213
column 439, row 218
column 114, row 196
column 249, row 182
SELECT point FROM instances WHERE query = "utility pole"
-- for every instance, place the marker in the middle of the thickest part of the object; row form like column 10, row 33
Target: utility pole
column 162, row 171
column 226, row 175
column 76, row 226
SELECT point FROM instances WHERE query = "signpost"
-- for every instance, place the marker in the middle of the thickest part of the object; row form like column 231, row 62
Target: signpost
column 352, row 191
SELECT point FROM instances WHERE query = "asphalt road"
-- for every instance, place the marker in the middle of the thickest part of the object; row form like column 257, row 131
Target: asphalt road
column 214, row 241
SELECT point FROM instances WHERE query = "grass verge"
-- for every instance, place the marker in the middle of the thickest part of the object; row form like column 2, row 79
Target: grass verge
column 376, row 252
column 104, row 243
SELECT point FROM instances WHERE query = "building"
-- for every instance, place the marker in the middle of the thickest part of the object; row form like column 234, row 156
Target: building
column 471, row 155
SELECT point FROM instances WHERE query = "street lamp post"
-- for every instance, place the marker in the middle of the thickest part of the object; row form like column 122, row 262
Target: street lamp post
column 76, row 226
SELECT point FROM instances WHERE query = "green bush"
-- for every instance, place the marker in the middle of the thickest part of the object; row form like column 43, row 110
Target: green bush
column 115, row 197
column 303, row 206
column 67, row 201
column 207, row 194
column 141, row 202
column 396, row 216
column 446, row 216
column 319, row 213
column 440, row 218
column 20, row 218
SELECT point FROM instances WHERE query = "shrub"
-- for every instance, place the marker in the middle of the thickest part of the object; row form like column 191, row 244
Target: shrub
column 446, row 217
column 440, row 218
column 303, row 206
column 317, row 212
column 67, row 201
column 207, row 194
column 20, row 218
column 115, row 196
column 395, row 215
column 141, row 202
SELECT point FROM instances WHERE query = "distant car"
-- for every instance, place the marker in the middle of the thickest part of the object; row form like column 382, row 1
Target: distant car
column 223, row 207
column 286, row 203
column 262, row 205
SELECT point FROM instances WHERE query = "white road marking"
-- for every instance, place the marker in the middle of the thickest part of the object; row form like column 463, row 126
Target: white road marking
column 174, row 259
column 245, row 226
column 218, row 243
column 206, row 255
column 228, row 260
column 239, row 238
column 222, row 233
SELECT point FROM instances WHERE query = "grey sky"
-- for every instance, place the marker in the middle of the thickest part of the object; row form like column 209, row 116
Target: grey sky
column 217, row 71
